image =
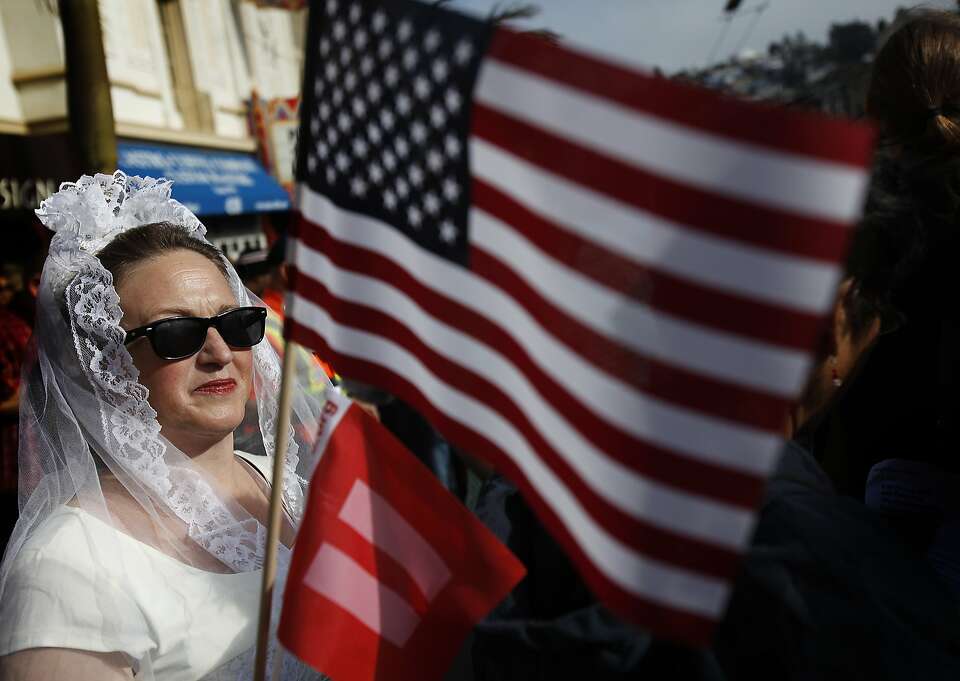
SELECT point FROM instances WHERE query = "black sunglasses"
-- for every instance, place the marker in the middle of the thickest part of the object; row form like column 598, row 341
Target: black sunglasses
column 179, row 337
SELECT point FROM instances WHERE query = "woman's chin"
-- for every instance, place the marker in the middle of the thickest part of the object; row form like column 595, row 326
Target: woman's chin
column 211, row 428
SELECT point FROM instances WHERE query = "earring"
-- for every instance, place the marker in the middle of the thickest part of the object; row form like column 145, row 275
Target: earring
column 834, row 374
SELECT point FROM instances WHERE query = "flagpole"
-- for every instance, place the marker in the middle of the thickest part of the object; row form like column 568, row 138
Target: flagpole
column 276, row 506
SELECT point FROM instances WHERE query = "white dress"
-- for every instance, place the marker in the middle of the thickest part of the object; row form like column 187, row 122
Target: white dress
column 189, row 623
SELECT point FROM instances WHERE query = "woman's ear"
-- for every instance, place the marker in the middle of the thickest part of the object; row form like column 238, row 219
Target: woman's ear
column 847, row 347
column 835, row 358
column 839, row 329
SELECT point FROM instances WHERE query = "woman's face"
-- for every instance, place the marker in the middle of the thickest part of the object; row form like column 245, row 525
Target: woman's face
column 200, row 399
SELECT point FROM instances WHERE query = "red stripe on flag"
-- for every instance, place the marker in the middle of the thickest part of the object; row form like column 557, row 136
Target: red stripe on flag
column 740, row 404
column 789, row 130
column 671, row 384
column 659, row 290
column 628, row 529
column 682, row 473
column 670, row 622
column 662, row 544
column 684, row 205
column 711, row 397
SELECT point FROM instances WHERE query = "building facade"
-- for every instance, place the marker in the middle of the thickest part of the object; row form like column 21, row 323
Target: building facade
column 185, row 79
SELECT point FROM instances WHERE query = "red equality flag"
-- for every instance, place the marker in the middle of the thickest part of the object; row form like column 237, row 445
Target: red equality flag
column 390, row 572
column 604, row 282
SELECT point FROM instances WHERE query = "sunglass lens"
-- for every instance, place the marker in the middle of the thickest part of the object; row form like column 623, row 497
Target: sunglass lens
column 178, row 338
column 243, row 328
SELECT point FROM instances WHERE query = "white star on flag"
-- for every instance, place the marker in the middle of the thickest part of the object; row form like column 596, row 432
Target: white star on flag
column 448, row 232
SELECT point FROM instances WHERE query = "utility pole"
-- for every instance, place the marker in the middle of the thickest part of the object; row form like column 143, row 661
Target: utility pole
column 89, row 106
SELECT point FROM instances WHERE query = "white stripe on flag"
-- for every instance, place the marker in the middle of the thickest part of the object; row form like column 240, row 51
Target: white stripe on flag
column 650, row 579
column 341, row 579
column 685, row 431
column 668, row 508
column 792, row 182
column 791, row 281
column 379, row 523
column 672, row 340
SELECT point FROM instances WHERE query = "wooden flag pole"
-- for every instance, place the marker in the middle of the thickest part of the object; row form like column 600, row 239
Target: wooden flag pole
column 276, row 506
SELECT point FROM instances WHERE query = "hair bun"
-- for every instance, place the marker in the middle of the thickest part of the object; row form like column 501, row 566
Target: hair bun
column 915, row 83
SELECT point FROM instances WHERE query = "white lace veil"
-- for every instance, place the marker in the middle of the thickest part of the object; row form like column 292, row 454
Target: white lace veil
column 90, row 441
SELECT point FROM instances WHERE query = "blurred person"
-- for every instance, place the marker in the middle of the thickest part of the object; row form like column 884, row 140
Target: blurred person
column 275, row 280
column 254, row 270
column 25, row 279
column 11, row 282
column 138, row 548
column 14, row 336
column 887, row 537
column 844, row 590
column 905, row 408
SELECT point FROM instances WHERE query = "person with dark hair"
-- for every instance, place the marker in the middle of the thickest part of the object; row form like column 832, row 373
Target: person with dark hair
column 905, row 408
column 263, row 271
column 914, row 91
column 253, row 270
column 14, row 335
column 140, row 539
column 855, row 576
column 835, row 586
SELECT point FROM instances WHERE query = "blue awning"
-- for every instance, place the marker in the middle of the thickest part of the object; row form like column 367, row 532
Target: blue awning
column 207, row 182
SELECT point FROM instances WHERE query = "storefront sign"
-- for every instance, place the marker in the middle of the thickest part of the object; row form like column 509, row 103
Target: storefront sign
column 32, row 168
column 18, row 193
column 207, row 182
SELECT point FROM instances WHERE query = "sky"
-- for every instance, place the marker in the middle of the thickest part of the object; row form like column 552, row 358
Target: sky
column 679, row 34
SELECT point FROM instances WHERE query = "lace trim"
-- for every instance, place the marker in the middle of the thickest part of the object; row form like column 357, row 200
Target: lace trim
column 85, row 216
column 131, row 429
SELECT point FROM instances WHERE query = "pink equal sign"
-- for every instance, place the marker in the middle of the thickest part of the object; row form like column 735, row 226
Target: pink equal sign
column 380, row 608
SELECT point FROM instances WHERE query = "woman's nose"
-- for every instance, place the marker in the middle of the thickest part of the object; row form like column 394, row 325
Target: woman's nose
column 215, row 349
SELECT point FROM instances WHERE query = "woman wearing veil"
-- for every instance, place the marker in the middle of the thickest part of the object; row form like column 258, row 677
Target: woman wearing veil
column 140, row 542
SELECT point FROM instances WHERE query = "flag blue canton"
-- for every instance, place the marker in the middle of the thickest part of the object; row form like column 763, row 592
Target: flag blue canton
column 387, row 118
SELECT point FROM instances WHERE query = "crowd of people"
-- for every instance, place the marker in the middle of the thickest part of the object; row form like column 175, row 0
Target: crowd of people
column 17, row 303
column 146, row 387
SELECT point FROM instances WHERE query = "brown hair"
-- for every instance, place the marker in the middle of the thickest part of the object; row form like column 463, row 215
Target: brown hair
column 915, row 85
column 150, row 241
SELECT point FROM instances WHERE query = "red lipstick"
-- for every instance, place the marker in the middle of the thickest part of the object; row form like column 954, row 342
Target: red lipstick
column 219, row 387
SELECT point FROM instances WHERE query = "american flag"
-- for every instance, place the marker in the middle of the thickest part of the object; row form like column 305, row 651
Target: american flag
column 604, row 282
